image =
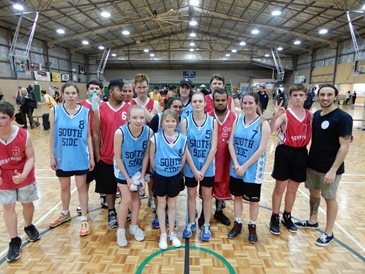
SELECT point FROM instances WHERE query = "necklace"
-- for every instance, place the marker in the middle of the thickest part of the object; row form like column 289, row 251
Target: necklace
column 8, row 137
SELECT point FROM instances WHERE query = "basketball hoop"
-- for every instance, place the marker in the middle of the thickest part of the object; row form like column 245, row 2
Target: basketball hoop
column 356, row 73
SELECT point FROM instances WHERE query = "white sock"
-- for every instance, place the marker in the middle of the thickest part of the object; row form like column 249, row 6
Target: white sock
column 121, row 229
column 238, row 220
column 252, row 222
column 83, row 218
column 65, row 212
column 133, row 227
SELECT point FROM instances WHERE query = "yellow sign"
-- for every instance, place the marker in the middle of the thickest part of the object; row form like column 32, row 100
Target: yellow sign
column 56, row 77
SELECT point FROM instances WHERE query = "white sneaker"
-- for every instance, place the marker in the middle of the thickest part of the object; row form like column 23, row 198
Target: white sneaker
column 175, row 241
column 137, row 232
column 163, row 241
column 121, row 239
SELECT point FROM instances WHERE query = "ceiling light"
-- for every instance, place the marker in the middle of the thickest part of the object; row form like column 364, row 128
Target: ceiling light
column 60, row 31
column 234, row 50
column 194, row 2
column 105, row 14
column 297, row 42
column 228, row 55
column 363, row 7
column 243, row 43
column 193, row 34
column 193, row 23
column 18, row 6
column 280, row 48
column 323, row 31
column 267, row 55
column 275, row 12
column 125, row 32
column 152, row 55
column 191, row 49
column 85, row 42
column 113, row 54
column 146, row 50
column 192, row 44
column 101, row 47
column 255, row 31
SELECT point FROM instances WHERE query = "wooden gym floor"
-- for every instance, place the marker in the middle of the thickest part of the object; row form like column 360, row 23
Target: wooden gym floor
column 62, row 250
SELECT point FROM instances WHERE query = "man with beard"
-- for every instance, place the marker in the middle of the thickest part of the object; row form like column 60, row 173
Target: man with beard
column 331, row 137
column 225, row 120
column 107, row 118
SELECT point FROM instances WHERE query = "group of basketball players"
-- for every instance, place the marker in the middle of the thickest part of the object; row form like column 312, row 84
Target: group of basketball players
column 197, row 139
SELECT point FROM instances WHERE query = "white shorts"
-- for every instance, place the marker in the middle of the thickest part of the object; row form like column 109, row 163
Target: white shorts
column 22, row 195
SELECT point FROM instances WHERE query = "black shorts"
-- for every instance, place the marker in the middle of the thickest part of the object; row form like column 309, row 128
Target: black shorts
column 290, row 163
column 120, row 181
column 169, row 186
column 105, row 179
column 249, row 191
column 207, row 182
column 90, row 176
column 61, row 173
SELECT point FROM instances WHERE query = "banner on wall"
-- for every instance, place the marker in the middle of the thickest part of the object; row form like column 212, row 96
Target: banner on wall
column 65, row 77
column 42, row 75
column 56, row 77
column 269, row 85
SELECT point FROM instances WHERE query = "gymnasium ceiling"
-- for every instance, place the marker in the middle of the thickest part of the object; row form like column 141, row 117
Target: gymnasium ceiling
column 163, row 28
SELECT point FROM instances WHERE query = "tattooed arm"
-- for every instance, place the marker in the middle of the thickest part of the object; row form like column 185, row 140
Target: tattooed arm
column 329, row 177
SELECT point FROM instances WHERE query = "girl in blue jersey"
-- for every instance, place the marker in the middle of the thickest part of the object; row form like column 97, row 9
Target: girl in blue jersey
column 176, row 104
column 201, row 131
column 167, row 157
column 71, row 152
column 247, row 146
column 131, row 143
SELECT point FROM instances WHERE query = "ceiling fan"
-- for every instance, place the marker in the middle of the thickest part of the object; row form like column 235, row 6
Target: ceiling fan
column 166, row 17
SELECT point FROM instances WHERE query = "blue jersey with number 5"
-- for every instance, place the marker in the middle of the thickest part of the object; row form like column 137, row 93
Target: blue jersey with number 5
column 199, row 144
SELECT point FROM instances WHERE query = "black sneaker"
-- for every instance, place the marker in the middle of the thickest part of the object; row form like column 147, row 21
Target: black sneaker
column 252, row 236
column 32, row 232
column 288, row 223
column 112, row 219
column 325, row 240
column 201, row 219
column 14, row 250
column 237, row 229
column 306, row 224
column 103, row 202
column 219, row 216
column 275, row 225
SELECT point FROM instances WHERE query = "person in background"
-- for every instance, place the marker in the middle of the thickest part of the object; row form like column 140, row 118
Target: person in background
column 32, row 103
column 26, row 101
column 348, row 96
column 216, row 81
column 128, row 91
column 57, row 95
column 48, row 99
column 17, row 179
column 354, row 95
column 264, row 98
column 1, row 95
column 155, row 94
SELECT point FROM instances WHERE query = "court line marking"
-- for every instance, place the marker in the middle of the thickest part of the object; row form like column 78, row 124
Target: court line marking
column 337, row 224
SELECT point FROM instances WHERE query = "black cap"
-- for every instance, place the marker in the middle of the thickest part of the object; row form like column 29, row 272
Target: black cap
column 187, row 81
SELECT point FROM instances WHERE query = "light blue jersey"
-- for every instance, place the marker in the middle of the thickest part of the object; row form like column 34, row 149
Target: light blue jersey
column 187, row 111
column 71, row 151
column 246, row 140
column 133, row 149
column 168, row 156
column 199, row 144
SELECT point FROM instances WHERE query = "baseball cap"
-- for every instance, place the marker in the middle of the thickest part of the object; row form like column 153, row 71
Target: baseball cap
column 187, row 81
column 202, row 86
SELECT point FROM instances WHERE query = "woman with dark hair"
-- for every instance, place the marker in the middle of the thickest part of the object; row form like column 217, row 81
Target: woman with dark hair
column 185, row 92
column 247, row 146
column 71, row 153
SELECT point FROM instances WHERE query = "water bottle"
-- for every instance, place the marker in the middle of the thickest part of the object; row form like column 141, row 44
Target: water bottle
column 94, row 101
